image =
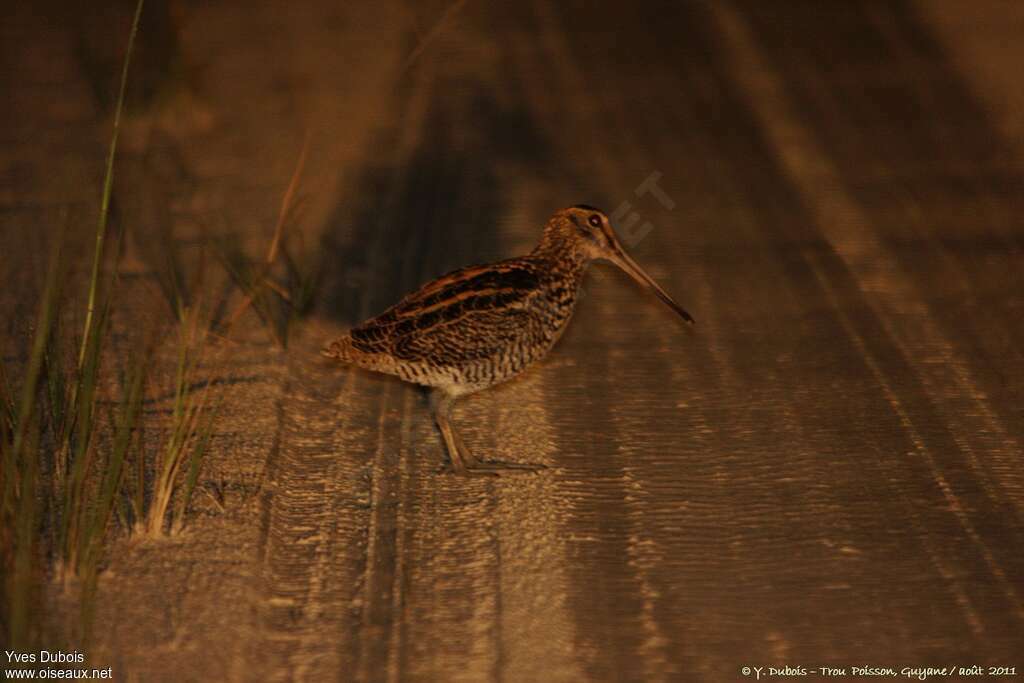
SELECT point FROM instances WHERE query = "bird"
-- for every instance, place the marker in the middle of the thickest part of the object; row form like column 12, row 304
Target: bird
column 481, row 325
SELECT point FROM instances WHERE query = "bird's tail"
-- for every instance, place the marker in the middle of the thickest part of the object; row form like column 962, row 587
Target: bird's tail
column 340, row 349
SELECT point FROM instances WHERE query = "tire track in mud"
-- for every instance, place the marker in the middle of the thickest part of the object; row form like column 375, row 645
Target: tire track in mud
column 415, row 591
column 321, row 607
column 316, row 512
column 907, row 326
column 901, row 233
column 742, row 403
column 444, row 567
column 681, row 465
column 622, row 633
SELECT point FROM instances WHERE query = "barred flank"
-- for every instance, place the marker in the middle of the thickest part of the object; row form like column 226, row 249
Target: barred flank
column 340, row 349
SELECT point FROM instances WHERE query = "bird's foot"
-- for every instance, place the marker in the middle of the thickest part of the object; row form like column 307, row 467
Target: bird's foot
column 484, row 468
column 499, row 468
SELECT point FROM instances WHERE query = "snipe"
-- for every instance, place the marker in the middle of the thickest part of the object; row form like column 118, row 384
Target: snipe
column 477, row 326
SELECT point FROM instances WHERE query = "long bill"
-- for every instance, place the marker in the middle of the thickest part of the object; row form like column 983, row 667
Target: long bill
column 619, row 257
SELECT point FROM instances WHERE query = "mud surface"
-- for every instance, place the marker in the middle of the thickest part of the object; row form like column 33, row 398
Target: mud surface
column 825, row 471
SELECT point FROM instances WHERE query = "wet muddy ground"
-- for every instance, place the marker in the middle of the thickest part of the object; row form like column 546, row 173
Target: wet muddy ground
column 825, row 471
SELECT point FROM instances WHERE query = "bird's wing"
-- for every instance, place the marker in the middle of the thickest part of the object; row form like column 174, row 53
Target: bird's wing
column 462, row 316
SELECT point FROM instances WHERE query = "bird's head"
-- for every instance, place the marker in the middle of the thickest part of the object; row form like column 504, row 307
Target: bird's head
column 587, row 233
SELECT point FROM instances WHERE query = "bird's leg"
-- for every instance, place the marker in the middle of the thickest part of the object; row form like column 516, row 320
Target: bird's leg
column 463, row 460
column 493, row 467
column 441, row 405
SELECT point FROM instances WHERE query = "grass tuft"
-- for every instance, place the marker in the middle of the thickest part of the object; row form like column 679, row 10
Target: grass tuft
column 20, row 554
column 181, row 456
column 277, row 304
column 56, row 494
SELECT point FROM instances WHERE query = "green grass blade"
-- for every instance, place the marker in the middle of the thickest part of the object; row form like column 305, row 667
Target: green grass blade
column 124, row 430
column 78, row 437
column 20, row 472
column 196, row 459
column 8, row 413
column 23, row 582
column 108, row 182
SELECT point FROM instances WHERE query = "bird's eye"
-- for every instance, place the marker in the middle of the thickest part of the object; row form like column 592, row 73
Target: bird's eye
column 595, row 220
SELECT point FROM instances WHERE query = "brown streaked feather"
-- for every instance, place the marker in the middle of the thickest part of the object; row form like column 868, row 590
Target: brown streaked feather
column 512, row 274
column 465, row 315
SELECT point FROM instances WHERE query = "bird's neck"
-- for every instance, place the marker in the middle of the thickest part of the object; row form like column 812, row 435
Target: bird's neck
column 556, row 246
column 563, row 260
